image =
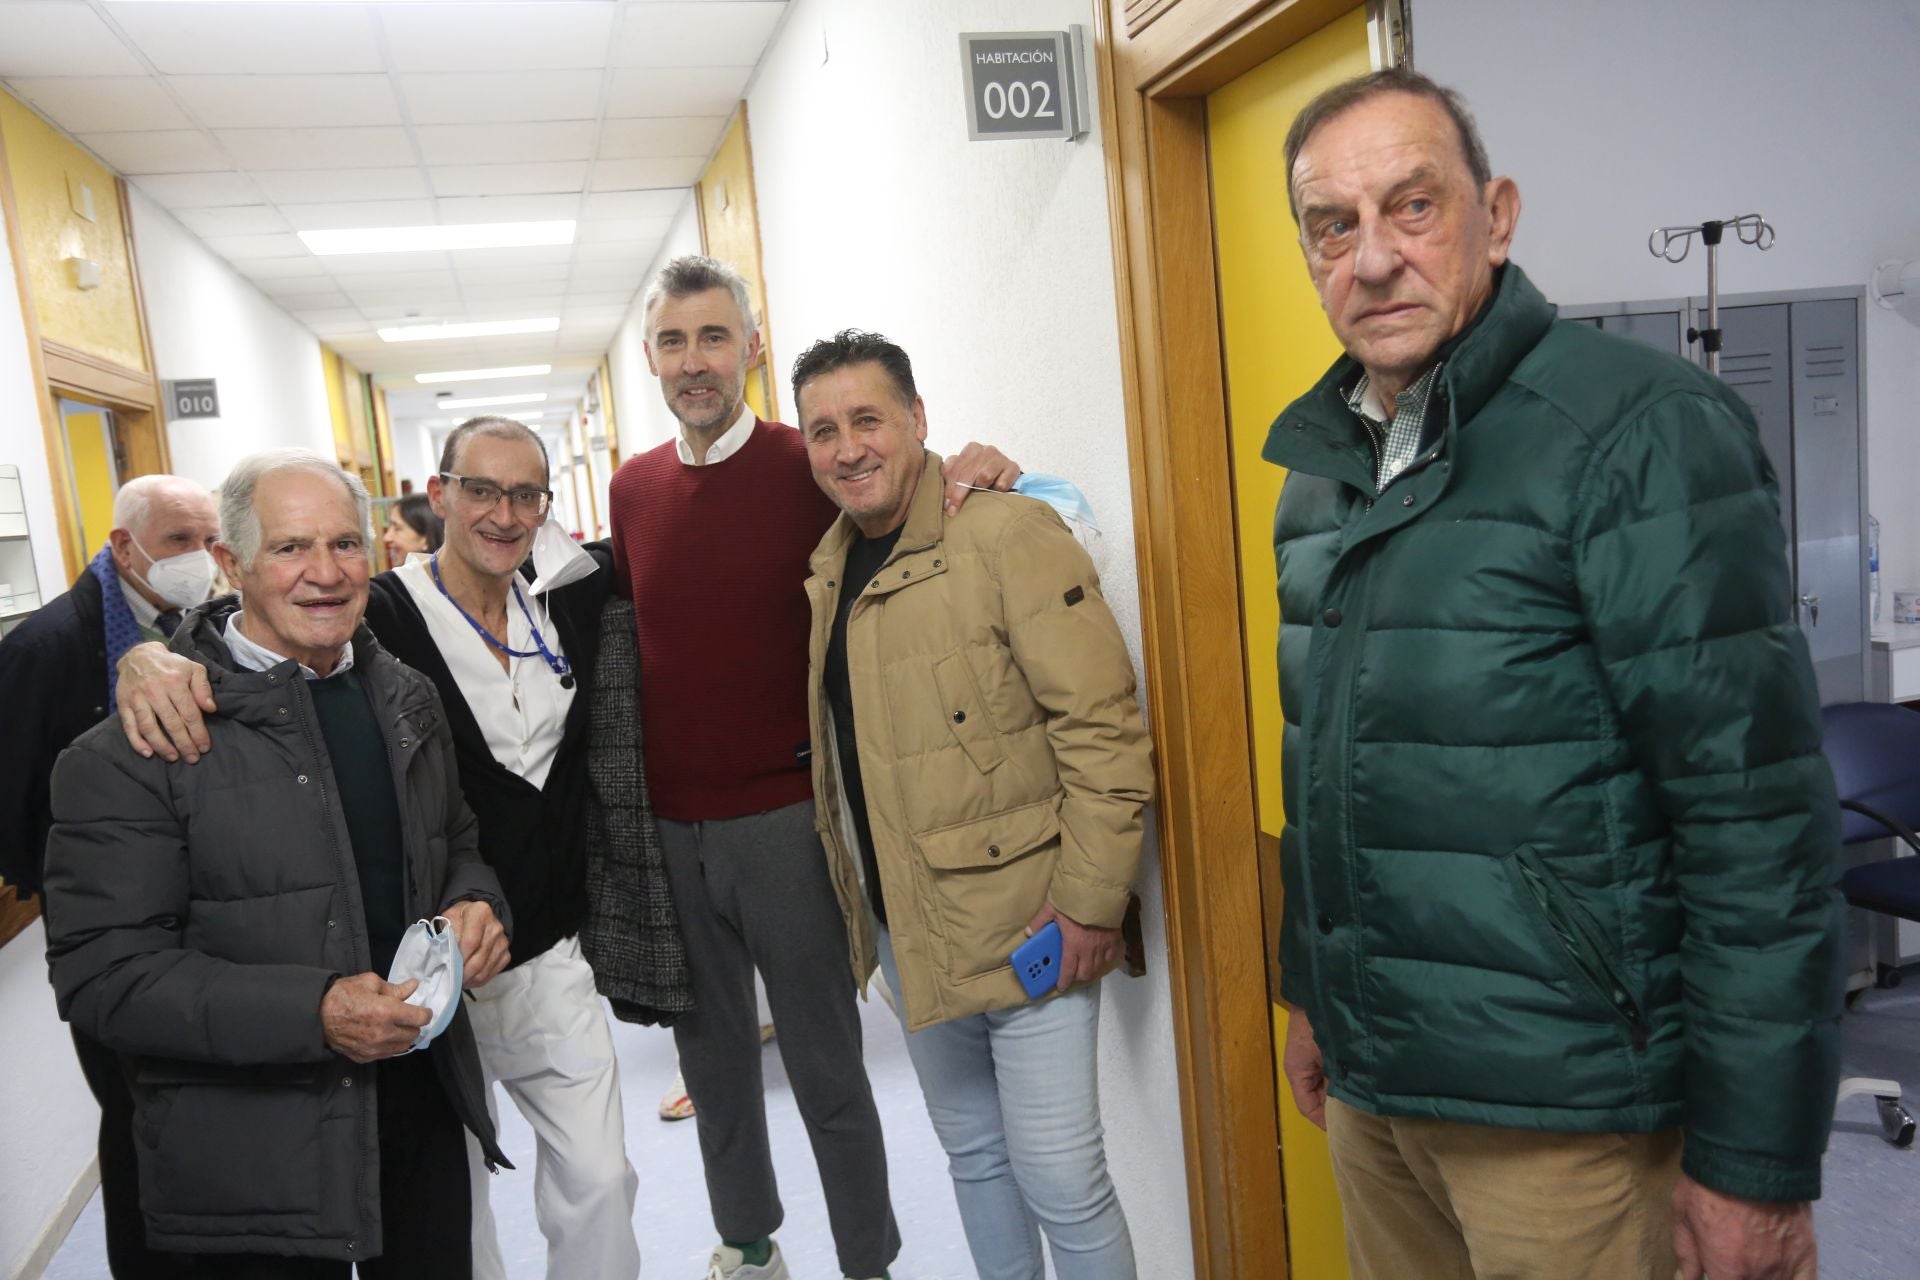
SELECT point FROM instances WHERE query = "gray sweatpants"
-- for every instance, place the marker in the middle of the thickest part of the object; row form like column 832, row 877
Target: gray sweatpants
column 754, row 892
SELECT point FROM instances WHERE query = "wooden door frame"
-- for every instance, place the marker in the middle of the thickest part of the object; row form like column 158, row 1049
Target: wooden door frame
column 1156, row 62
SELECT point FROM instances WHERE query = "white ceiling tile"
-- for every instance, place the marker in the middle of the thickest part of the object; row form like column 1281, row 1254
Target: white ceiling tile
column 563, row 177
column 336, row 215
column 404, row 302
column 319, row 186
column 677, row 91
column 588, row 300
column 510, row 302
column 162, row 151
column 271, row 246
column 361, row 264
column 400, row 282
column 335, row 316
column 615, row 315
column 661, row 136
column 454, row 144
column 672, row 35
column 183, row 39
column 333, row 330
column 240, row 220
column 288, row 101
column 634, row 204
column 305, row 302
column 199, row 190
column 99, row 104
column 261, row 270
column 501, row 97
column 308, row 149
column 508, row 208
column 599, row 231
column 61, row 40
column 541, row 255
column 633, row 253
column 634, row 175
column 487, row 37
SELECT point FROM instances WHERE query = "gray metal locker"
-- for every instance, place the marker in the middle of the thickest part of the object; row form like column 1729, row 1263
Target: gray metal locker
column 1827, row 498
column 1660, row 329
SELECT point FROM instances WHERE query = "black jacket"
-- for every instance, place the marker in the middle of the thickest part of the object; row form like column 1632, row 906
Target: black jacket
column 53, row 686
column 198, row 914
column 535, row 838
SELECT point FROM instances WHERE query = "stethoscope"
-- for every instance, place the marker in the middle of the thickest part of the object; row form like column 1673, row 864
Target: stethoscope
column 558, row 665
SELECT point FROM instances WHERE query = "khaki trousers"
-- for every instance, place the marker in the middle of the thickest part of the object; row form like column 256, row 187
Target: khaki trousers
column 1438, row 1200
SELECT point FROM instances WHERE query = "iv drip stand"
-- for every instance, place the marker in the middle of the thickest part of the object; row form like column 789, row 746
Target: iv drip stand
column 1748, row 228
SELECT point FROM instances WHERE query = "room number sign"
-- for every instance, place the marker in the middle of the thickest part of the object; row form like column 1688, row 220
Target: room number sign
column 1022, row 84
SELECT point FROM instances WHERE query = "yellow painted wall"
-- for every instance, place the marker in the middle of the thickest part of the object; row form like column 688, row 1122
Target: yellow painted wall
column 730, row 230
column 92, row 475
column 104, row 322
column 1277, row 345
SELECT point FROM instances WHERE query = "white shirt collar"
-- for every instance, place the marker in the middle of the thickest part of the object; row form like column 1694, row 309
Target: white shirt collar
column 143, row 611
column 257, row 657
column 726, row 446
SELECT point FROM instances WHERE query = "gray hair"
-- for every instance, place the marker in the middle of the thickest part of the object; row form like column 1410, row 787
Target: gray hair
column 498, row 427
column 692, row 273
column 240, row 522
column 1348, row 94
column 133, row 504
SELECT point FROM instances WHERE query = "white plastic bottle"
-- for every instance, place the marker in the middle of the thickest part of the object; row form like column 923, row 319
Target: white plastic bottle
column 1873, row 567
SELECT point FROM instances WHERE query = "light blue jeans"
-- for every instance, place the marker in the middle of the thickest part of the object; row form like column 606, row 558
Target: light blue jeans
column 1015, row 1098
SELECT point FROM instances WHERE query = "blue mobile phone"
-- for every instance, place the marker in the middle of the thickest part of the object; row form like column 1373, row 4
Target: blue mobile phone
column 1036, row 962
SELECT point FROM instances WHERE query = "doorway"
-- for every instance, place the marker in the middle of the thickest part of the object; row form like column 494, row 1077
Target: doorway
column 96, row 465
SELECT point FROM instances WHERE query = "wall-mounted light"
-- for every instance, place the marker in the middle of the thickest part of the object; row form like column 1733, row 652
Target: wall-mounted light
column 1896, row 286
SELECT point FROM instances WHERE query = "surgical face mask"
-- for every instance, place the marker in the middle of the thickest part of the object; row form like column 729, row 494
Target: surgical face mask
column 1064, row 496
column 557, row 559
column 183, row 581
column 430, row 951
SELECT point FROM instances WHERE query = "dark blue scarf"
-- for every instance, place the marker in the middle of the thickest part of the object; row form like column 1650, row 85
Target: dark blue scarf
column 122, row 631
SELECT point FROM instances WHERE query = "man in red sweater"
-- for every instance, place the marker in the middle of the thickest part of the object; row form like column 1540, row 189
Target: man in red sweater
column 711, row 536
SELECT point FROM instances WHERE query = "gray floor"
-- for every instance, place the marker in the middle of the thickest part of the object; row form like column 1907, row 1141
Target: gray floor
column 672, row 1218
column 1869, row 1219
column 1869, row 1222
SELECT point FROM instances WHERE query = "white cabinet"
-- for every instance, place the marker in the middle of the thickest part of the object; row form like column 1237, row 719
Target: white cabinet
column 19, row 585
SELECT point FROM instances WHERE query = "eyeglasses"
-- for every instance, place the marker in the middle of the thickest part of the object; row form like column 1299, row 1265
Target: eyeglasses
column 483, row 495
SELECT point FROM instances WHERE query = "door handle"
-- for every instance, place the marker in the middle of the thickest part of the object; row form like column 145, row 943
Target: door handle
column 1812, row 605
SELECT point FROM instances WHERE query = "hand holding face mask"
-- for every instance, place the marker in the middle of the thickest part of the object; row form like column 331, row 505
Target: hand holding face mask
column 430, row 952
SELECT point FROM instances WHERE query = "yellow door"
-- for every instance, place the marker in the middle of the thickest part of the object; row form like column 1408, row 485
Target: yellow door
column 96, row 474
column 1277, row 345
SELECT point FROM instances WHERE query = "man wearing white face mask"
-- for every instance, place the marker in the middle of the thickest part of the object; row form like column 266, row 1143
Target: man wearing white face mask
column 510, row 658
column 56, row 681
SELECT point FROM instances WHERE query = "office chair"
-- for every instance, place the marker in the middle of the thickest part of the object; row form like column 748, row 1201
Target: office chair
column 1874, row 748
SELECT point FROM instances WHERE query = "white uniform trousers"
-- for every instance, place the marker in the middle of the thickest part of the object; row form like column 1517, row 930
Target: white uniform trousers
column 543, row 1036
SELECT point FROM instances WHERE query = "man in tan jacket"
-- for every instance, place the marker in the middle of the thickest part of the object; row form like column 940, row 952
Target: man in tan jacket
column 981, row 767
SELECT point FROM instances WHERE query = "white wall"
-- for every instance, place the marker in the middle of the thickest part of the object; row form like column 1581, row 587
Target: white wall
column 23, row 441
column 991, row 263
column 639, row 411
column 208, row 322
column 52, row 1120
column 1809, row 110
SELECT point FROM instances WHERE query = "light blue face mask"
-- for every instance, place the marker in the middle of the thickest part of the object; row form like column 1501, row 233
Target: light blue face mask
column 1064, row 496
column 430, row 951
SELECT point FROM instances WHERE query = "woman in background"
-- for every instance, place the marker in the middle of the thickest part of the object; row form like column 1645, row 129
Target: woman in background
column 411, row 526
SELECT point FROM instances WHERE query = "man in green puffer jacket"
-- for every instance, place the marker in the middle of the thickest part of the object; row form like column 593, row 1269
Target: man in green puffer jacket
column 1561, row 939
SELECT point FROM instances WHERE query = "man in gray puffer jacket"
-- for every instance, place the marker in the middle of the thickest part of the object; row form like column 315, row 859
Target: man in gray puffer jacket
column 227, row 928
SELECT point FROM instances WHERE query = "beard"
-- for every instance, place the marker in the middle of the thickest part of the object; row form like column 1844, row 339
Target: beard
column 714, row 412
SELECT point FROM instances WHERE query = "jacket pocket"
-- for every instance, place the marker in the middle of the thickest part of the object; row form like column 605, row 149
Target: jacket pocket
column 1579, row 939
column 229, row 1142
column 966, row 712
column 988, row 876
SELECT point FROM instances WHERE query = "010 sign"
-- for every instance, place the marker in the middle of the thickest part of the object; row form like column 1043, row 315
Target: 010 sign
column 1022, row 84
column 192, row 398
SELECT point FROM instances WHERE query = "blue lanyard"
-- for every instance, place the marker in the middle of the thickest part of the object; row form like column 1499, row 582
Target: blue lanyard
column 558, row 665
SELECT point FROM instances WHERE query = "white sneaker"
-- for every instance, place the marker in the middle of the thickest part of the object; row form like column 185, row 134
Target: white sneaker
column 728, row 1263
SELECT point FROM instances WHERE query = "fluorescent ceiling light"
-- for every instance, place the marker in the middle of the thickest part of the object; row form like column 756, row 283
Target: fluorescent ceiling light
column 481, row 375
column 450, row 423
column 469, row 329
column 481, row 402
column 470, row 235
